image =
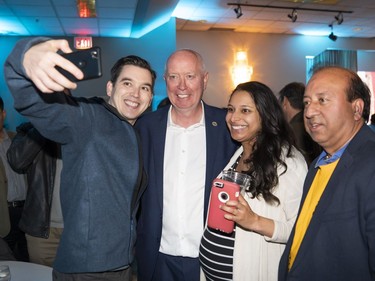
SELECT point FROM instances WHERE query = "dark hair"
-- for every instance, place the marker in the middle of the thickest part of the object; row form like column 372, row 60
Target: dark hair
column 294, row 92
column 373, row 119
column 1, row 104
column 131, row 60
column 275, row 135
column 356, row 89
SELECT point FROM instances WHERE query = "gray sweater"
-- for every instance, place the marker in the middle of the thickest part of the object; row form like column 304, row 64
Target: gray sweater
column 102, row 171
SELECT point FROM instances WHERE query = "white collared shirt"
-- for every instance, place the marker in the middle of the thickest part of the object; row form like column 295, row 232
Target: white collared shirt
column 184, row 184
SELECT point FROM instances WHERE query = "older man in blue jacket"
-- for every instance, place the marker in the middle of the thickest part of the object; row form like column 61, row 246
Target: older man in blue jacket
column 185, row 146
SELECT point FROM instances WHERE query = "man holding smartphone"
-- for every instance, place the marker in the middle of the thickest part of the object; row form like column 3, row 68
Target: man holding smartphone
column 102, row 177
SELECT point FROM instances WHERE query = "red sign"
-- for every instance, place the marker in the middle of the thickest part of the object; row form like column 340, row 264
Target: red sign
column 83, row 42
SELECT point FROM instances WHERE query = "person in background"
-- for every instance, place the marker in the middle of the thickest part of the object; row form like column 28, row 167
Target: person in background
column 291, row 99
column 4, row 212
column 102, row 177
column 334, row 235
column 372, row 122
column 185, row 146
column 13, row 189
column 266, row 211
column 40, row 159
column 6, row 253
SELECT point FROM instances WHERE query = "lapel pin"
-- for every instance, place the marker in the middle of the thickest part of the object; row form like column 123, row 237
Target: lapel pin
column 214, row 124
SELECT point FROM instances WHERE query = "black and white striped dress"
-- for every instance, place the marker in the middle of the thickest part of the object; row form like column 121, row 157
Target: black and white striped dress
column 216, row 254
column 216, row 251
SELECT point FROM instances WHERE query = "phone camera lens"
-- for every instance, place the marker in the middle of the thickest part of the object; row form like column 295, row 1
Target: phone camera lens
column 223, row 197
column 94, row 54
column 81, row 64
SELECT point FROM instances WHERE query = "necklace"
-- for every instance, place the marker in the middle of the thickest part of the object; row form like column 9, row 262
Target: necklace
column 235, row 164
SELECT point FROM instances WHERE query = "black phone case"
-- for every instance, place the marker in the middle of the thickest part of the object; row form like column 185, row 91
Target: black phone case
column 89, row 61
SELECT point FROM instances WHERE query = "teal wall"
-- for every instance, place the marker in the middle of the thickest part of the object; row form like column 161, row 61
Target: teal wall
column 13, row 118
column 155, row 47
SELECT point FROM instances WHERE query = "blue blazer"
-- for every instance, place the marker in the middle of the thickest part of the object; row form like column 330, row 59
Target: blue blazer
column 152, row 128
column 339, row 244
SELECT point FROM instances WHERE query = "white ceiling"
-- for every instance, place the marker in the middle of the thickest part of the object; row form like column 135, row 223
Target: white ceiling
column 133, row 18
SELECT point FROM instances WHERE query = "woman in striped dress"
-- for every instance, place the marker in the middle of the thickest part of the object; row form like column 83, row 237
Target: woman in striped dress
column 266, row 211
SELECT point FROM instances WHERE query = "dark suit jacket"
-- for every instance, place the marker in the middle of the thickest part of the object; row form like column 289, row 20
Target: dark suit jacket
column 339, row 244
column 152, row 128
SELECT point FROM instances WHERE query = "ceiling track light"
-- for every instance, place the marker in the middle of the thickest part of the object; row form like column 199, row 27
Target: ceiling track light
column 238, row 11
column 339, row 18
column 288, row 8
column 332, row 36
column 293, row 15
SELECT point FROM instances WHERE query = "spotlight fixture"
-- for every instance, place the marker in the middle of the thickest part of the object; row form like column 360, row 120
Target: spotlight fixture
column 332, row 36
column 238, row 11
column 339, row 18
column 293, row 15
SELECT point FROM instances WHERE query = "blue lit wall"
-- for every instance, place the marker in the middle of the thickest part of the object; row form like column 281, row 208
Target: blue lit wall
column 155, row 47
column 13, row 118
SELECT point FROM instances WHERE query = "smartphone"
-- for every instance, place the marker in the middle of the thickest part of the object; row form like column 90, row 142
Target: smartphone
column 89, row 61
column 221, row 192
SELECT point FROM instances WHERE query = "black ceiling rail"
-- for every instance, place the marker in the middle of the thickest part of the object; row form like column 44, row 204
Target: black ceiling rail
column 289, row 8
